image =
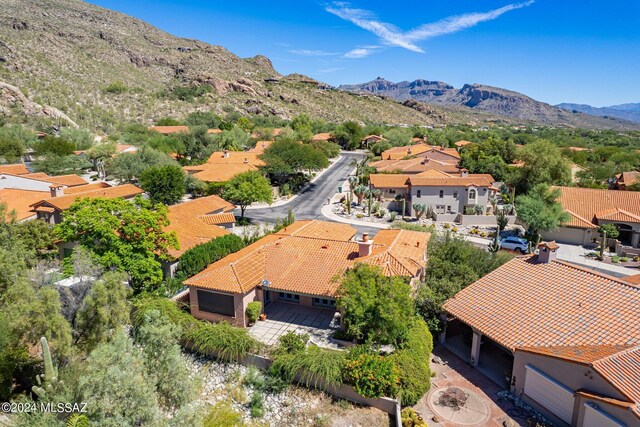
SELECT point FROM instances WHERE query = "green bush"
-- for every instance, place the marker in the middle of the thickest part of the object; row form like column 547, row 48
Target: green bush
column 199, row 257
column 188, row 93
column 615, row 259
column 117, row 86
column 371, row 374
column 222, row 414
column 412, row 361
column 217, row 339
column 312, row 365
column 410, row 418
column 256, row 405
column 253, row 311
column 292, row 343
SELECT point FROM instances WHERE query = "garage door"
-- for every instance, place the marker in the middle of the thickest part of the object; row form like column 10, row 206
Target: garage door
column 549, row 393
column 594, row 417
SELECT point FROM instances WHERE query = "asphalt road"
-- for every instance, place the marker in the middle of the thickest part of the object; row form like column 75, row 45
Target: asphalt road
column 309, row 203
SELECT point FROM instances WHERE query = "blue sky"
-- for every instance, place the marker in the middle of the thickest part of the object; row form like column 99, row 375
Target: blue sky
column 552, row 50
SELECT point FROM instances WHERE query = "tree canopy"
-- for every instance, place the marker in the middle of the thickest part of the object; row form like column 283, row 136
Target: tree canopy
column 247, row 188
column 540, row 210
column 376, row 309
column 164, row 184
column 130, row 234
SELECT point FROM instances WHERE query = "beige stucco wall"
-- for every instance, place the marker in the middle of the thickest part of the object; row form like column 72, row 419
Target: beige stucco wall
column 571, row 235
column 430, row 196
column 572, row 375
column 623, row 415
column 240, row 304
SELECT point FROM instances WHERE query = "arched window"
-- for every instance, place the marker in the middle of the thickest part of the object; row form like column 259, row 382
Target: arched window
column 472, row 194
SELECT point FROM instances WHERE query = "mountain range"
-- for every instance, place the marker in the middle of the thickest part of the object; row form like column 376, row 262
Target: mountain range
column 629, row 112
column 488, row 99
column 76, row 62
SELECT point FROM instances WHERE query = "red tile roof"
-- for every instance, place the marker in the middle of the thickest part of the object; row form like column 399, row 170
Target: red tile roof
column 295, row 260
column 166, row 130
column 16, row 169
column 64, row 202
column 587, row 205
column 21, row 201
column 526, row 303
column 628, row 178
column 260, row 147
column 185, row 220
column 634, row 280
column 421, row 150
column 417, row 165
column 462, row 143
column 211, row 172
column 476, row 180
column 324, row 136
column 622, row 370
column 217, row 219
column 388, row 180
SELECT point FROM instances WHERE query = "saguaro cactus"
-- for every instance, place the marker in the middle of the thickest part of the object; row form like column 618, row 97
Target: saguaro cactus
column 49, row 381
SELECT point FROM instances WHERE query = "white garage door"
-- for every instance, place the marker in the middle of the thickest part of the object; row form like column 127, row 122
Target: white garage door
column 594, row 417
column 549, row 393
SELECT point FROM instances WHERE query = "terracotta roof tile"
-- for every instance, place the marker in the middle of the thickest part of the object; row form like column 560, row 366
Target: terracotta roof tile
column 217, row 219
column 626, row 178
column 634, row 280
column 388, row 180
column 260, row 147
column 21, row 201
column 324, row 136
column 16, row 169
column 462, row 143
column 71, row 180
column 297, row 260
column 232, row 157
column 525, row 303
column 477, row 180
column 87, row 187
column 585, row 354
column 622, row 370
column 64, row 202
column 166, row 130
column 210, row 172
column 586, row 204
column 421, row 150
column 417, row 165
column 185, row 220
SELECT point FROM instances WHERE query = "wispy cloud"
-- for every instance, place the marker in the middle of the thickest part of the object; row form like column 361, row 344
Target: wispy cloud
column 392, row 35
column 330, row 70
column 310, row 52
column 358, row 53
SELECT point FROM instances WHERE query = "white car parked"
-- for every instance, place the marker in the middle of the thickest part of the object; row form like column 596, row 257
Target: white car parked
column 515, row 244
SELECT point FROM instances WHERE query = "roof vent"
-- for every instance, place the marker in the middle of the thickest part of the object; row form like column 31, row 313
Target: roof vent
column 226, row 154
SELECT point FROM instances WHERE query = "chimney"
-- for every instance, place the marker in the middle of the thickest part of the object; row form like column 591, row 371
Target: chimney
column 246, row 160
column 409, row 150
column 226, row 154
column 56, row 190
column 364, row 246
column 464, row 173
column 547, row 252
column 264, row 144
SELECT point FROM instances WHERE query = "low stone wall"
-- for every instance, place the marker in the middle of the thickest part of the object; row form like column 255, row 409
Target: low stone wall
column 444, row 217
column 481, row 219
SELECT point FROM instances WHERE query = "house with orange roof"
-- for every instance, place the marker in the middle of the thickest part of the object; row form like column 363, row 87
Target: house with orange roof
column 415, row 165
column 460, row 144
column 260, row 147
column 591, row 207
column 450, row 155
column 38, row 181
column 224, row 165
column 445, row 194
column 623, row 180
column 563, row 338
column 372, row 139
column 168, row 130
column 14, row 169
column 195, row 222
column 20, row 201
column 61, row 198
column 298, row 265
column 323, row 136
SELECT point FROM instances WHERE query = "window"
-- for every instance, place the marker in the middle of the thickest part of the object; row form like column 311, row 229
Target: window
column 448, row 209
column 455, row 194
column 392, row 191
column 441, row 194
column 324, row 302
column 440, row 209
column 418, row 194
column 472, row 194
column 213, row 302
column 288, row 297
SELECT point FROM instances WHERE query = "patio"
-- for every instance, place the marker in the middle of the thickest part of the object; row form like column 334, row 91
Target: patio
column 318, row 323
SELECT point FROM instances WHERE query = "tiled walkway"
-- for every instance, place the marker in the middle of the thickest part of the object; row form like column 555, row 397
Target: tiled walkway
column 454, row 372
column 283, row 317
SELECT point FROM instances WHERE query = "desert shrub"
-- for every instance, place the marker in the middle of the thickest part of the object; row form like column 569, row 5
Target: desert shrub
column 615, row 259
column 253, row 311
column 199, row 257
column 312, row 365
column 256, row 405
column 222, row 414
column 220, row 339
column 412, row 362
column 371, row 374
column 291, row 343
column 116, row 86
column 253, row 378
column 624, row 259
column 392, row 216
column 188, row 93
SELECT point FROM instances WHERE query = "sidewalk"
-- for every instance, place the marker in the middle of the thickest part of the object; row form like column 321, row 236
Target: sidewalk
column 291, row 199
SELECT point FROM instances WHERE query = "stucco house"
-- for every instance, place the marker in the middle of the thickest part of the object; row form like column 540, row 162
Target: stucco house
column 195, row 222
column 625, row 179
column 590, row 208
column 422, row 150
column 444, row 193
column 563, row 338
column 224, row 165
column 415, row 165
column 297, row 265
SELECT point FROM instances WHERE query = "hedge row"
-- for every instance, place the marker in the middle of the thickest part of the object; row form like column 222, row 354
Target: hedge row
column 412, row 360
column 220, row 339
column 199, row 257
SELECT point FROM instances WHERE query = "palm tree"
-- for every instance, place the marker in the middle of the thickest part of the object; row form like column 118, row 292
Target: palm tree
column 360, row 191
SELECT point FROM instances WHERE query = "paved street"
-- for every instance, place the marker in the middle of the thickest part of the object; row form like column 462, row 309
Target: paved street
column 308, row 204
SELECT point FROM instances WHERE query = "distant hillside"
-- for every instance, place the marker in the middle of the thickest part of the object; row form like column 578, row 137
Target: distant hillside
column 484, row 98
column 101, row 67
column 629, row 112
